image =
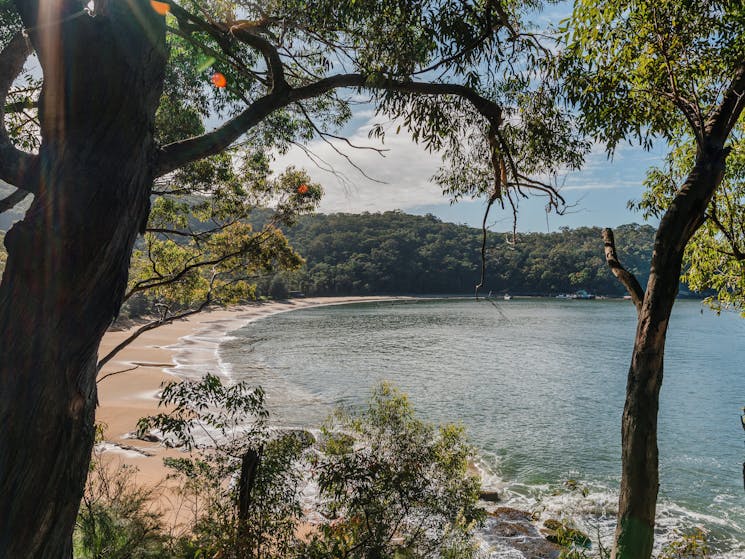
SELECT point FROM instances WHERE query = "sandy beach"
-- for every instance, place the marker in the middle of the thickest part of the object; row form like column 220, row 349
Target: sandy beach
column 155, row 357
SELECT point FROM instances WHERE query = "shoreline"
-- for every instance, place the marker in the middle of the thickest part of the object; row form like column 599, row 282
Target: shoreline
column 157, row 356
column 176, row 350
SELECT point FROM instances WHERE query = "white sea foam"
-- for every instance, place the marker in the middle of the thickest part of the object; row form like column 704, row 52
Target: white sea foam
column 592, row 508
column 128, row 452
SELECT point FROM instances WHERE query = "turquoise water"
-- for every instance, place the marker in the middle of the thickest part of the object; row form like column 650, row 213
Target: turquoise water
column 539, row 384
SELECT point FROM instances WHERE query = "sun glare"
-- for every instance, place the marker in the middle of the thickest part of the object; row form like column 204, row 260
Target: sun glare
column 219, row 80
column 161, row 8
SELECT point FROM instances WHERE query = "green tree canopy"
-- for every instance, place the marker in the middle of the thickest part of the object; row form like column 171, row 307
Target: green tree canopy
column 715, row 255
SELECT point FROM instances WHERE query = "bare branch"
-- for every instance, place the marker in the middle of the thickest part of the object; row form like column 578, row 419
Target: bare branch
column 493, row 198
column 146, row 328
column 348, row 159
column 120, row 371
column 13, row 200
column 628, row 279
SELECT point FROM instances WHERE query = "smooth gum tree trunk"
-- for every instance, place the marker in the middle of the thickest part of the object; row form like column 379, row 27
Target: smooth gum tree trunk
column 68, row 259
column 640, row 473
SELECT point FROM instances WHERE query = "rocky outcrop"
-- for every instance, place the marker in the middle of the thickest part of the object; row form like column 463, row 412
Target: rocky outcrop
column 489, row 496
column 515, row 529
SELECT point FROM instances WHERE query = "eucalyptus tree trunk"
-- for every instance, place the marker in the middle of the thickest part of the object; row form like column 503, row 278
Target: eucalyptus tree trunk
column 68, row 258
column 634, row 536
column 640, row 474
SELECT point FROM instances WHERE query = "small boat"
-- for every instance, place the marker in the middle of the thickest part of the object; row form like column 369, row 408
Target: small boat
column 582, row 294
column 507, row 296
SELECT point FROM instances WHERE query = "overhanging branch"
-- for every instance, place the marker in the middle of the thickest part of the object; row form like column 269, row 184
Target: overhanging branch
column 628, row 279
column 146, row 328
column 177, row 154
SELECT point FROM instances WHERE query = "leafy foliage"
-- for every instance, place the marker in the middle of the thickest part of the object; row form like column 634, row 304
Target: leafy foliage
column 640, row 68
column 200, row 248
column 394, row 486
column 691, row 545
column 390, row 484
column 117, row 517
column 715, row 256
column 222, row 424
column 209, row 409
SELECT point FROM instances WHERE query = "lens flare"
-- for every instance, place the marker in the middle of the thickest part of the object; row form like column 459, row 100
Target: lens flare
column 161, row 8
column 219, row 80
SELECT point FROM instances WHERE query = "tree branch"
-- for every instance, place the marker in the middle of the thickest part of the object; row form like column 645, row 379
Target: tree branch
column 20, row 106
column 736, row 253
column 159, row 281
column 484, row 230
column 628, row 279
column 119, row 372
column 268, row 51
column 14, row 163
column 13, row 200
column 177, row 154
column 146, row 328
column 723, row 119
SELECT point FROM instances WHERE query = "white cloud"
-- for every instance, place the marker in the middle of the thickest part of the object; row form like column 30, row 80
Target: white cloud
column 404, row 172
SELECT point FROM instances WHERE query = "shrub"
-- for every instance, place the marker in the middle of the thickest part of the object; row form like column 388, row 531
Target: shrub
column 391, row 485
column 242, row 480
column 394, row 486
column 117, row 519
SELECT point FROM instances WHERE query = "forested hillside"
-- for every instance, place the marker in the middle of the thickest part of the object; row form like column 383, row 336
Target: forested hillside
column 394, row 252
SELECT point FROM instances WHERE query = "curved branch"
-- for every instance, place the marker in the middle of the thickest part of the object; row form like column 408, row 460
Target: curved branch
column 119, row 372
column 723, row 119
column 268, row 51
column 628, row 279
column 14, row 163
column 177, row 154
column 146, row 328
column 160, row 281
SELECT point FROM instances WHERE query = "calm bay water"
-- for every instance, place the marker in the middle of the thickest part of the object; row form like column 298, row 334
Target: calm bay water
column 539, row 384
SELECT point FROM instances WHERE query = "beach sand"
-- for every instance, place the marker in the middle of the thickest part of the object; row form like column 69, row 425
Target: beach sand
column 125, row 397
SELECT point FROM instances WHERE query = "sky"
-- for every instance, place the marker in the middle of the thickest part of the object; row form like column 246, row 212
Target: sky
column 598, row 194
